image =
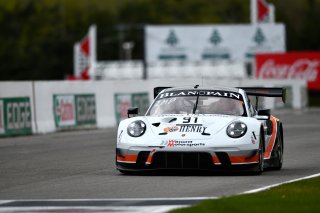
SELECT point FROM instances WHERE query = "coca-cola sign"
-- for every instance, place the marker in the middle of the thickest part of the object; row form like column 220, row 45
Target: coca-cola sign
column 296, row 65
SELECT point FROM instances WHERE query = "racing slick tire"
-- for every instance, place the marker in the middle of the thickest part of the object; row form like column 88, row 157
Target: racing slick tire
column 259, row 168
column 276, row 161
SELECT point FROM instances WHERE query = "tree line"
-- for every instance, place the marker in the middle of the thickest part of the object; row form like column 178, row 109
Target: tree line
column 37, row 37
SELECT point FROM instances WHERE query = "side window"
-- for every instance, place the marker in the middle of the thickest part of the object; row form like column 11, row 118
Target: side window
column 252, row 111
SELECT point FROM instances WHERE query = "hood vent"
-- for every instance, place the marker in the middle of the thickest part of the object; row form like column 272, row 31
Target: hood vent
column 156, row 124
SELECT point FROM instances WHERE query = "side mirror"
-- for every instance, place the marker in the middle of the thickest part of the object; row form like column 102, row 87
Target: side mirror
column 133, row 111
column 263, row 114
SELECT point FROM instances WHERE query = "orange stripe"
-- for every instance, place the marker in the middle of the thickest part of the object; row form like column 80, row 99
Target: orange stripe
column 272, row 139
column 149, row 160
column 244, row 159
column 128, row 158
column 216, row 160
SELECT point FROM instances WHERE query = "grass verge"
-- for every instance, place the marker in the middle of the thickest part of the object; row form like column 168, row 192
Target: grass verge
column 301, row 196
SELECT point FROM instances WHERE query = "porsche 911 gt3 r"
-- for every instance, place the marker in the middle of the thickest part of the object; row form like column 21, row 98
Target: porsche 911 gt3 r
column 201, row 129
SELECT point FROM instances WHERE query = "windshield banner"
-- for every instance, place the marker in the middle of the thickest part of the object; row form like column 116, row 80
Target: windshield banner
column 214, row 93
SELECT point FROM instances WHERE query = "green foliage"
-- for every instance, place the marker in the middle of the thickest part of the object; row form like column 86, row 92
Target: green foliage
column 302, row 196
column 37, row 36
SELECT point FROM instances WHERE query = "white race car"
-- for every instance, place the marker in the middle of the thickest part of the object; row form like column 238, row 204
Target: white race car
column 196, row 128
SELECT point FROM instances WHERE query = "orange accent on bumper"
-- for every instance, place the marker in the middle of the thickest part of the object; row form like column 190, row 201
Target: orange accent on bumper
column 216, row 160
column 149, row 160
column 244, row 159
column 127, row 158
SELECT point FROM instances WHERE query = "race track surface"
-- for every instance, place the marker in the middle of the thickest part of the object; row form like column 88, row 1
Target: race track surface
column 80, row 165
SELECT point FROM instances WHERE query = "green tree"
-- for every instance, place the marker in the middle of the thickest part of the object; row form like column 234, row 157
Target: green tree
column 37, row 37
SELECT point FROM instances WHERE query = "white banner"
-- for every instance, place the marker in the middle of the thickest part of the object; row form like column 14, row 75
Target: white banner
column 198, row 43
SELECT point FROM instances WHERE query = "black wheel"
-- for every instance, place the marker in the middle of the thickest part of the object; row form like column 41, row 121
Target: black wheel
column 259, row 168
column 277, row 155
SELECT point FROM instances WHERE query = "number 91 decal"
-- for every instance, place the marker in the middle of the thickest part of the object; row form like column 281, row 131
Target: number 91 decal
column 187, row 120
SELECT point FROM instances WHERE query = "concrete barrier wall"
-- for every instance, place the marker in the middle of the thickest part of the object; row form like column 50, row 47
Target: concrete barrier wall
column 44, row 91
column 41, row 95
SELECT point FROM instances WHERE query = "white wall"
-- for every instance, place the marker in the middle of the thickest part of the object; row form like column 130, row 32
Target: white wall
column 45, row 90
column 41, row 94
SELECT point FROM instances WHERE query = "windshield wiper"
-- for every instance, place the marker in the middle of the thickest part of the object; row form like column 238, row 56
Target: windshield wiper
column 196, row 104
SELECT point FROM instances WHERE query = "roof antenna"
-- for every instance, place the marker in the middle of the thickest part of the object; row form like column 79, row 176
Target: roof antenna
column 196, row 86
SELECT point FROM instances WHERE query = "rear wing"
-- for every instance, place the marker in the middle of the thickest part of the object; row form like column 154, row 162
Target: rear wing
column 265, row 92
column 157, row 90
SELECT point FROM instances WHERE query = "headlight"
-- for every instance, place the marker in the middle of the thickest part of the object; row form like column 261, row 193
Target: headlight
column 236, row 129
column 136, row 128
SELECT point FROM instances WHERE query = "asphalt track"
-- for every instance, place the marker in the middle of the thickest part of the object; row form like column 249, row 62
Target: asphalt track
column 80, row 165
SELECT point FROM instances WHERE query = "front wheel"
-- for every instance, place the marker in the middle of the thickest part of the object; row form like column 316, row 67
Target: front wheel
column 277, row 158
column 259, row 168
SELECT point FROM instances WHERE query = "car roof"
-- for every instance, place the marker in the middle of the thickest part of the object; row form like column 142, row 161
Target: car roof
column 220, row 88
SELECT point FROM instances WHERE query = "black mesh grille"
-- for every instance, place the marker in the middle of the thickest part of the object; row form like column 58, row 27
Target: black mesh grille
column 142, row 158
column 182, row 160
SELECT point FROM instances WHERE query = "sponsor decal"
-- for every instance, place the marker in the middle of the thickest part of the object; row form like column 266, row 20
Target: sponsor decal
column 86, row 109
column 18, row 115
column 259, row 37
column 172, row 50
column 74, row 110
column 191, row 128
column 260, row 40
column 181, row 143
column 215, row 51
column 214, row 93
column 171, row 129
column 64, row 110
column 189, row 125
column 200, row 43
column 125, row 100
column 295, row 65
column 253, row 140
column 171, row 143
column 15, row 116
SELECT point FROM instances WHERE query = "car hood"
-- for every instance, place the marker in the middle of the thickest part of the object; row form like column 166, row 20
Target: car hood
column 189, row 126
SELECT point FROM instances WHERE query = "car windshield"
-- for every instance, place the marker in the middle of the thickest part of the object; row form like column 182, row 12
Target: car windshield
column 206, row 105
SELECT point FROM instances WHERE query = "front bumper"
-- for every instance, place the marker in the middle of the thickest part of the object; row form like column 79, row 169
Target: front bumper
column 135, row 160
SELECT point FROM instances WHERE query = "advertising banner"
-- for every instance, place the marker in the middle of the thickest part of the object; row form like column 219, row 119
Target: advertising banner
column 86, row 109
column 196, row 43
column 15, row 116
column 74, row 110
column 64, row 110
column 125, row 100
column 294, row 65
column 1, row 118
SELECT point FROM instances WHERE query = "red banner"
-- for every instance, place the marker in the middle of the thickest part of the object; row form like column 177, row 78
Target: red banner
column 292, row 65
